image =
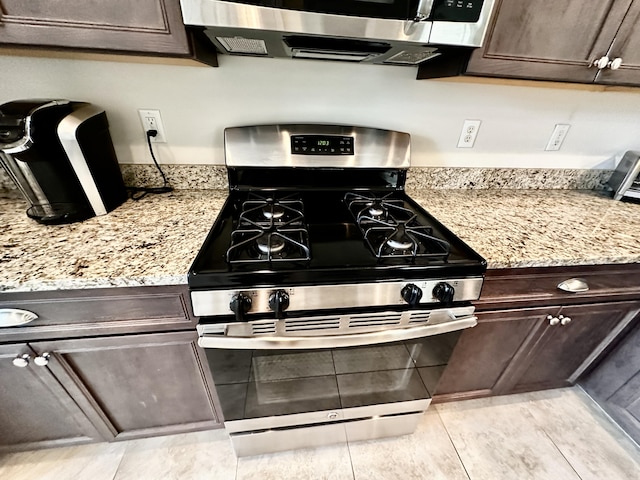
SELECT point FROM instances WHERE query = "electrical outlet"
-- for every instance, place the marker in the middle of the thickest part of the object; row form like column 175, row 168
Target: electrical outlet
column 557, row 137
column 151, row 120
column 469, row 133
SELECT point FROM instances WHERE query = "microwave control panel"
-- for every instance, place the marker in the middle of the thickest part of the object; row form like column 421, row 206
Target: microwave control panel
column 322, row 145
column 456, row 10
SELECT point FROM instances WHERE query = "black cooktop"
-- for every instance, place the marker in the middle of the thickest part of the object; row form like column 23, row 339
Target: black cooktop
column 314, row 237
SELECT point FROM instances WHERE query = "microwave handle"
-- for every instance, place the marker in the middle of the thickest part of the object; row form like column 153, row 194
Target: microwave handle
column 424, row 10
column 332, row 341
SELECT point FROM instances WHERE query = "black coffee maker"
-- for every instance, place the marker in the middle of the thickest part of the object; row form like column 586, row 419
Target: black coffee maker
column 60, row 156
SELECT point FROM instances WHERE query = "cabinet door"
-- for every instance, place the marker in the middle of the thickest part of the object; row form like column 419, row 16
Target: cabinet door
column 484, row 352
column 35, row 411
column 547, row 39
column 563, row 352
column 141, row 26
column 615, row 383
column 136, row 385
column 626, row 46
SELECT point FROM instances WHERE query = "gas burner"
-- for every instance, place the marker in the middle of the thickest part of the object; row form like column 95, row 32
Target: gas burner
column 369, row 208
column 391, row 230
column 275, row 211
column 270, row 230
column 260, row 246
column 266, row 212
column 270, row 244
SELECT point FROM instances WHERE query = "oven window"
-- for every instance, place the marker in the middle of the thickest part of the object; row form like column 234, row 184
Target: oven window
column 392, row 9
column 262, row 383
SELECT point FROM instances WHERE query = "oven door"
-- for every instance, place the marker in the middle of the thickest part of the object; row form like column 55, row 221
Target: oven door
column 296, row 386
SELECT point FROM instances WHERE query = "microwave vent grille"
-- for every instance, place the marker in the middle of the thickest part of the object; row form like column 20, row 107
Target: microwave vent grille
column 411, row 57
column 251, row 46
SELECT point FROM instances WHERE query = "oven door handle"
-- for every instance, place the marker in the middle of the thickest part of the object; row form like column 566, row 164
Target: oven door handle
column 224, row 341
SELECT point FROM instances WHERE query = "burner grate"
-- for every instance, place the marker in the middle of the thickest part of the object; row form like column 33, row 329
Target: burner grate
column 391, row 230
column 270, row 229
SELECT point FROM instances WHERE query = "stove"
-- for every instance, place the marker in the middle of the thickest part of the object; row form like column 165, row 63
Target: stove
column 327, row 298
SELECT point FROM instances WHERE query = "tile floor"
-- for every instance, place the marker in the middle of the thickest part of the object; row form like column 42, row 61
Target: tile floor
column 556, row 434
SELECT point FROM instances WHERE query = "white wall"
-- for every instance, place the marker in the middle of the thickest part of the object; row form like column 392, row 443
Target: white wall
column 197, row 103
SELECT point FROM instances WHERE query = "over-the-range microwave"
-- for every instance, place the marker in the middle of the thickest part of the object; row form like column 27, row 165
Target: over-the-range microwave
column 393, row 32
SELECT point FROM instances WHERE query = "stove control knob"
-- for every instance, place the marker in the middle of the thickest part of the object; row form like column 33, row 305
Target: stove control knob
column 240, row 304
column 412, row 294
column 443, row 292
column 279, row 302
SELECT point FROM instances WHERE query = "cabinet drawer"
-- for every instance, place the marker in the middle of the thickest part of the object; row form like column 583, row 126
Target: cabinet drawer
column 528, row 287
column 76, row 313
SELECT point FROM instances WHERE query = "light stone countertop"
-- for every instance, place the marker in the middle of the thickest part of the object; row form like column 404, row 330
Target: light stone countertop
column 153, row 241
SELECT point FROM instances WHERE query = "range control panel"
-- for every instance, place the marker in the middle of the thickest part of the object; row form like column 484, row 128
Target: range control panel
column 322, row 145
column 456, row 10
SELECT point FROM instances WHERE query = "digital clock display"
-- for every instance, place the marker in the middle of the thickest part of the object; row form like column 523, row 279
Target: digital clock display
column 322, row 145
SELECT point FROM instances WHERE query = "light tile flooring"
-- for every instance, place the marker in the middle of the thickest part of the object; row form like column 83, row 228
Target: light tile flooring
column 555, row 434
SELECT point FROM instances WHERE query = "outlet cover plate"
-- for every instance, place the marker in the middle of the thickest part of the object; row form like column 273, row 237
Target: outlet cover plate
column 151, row 120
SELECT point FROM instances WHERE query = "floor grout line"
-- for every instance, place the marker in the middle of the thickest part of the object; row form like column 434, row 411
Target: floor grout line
column 464, row 467
column 560, row 452
column 126, row 447
column 353, row 472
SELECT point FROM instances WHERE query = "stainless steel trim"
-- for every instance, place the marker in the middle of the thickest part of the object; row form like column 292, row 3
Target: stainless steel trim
column 14, row 317
column 211, row 13
column 331, row 55
column 323, row 416
column 382, row 427
column 336, row 324
column 631, row 192
column 333, row 341
column 270, row 441
column 22, row 176
column 424, row 10
column 462, row 33
column 270, row 146
column 27, row 140
column 625, row 175
column 323, row 297
column 67, row 132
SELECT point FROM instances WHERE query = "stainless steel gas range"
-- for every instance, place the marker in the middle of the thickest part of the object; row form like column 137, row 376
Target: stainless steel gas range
column 329, row 301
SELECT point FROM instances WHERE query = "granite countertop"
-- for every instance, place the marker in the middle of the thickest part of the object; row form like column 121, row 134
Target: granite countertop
column 153, row 241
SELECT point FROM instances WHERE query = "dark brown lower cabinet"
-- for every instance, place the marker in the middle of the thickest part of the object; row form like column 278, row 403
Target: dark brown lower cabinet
column 485, row 351
column 530, row 349
column 104, row 388
column 35, row 410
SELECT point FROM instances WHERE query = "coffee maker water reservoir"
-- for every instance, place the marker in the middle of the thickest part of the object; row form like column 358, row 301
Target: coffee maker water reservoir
column 60, row 156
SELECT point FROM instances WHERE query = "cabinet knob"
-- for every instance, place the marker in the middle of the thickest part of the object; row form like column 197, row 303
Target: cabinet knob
column 42, row 360
column 564, row 320
column 22, row 361
column 553, row 320
column 601, row 62
column 615, row 64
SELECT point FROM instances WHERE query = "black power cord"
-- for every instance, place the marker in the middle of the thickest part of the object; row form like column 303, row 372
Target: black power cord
column 139, row 192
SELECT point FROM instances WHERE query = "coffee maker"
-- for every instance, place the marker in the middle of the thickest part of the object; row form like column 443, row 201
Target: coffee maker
column 60, row 156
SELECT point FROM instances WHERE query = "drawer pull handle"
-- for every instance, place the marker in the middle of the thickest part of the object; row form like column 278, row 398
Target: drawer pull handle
column 574, row 285
column 13, row 317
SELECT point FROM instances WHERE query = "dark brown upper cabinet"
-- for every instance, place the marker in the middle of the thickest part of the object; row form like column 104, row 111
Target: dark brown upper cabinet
column 562, row 41
column 143, row 27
